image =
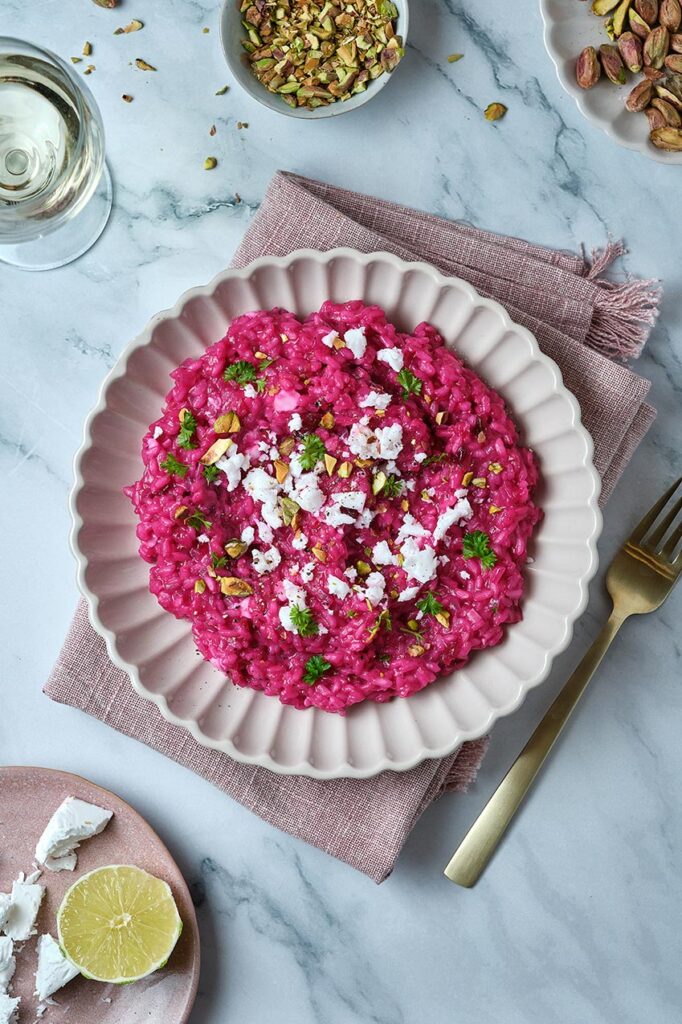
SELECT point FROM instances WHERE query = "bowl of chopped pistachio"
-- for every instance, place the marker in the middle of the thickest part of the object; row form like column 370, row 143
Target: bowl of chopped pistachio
column 313, row 58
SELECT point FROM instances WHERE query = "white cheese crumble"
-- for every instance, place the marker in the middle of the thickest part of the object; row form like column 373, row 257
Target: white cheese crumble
column 351, row 572
column 233, row 466
column 295, row 423
column 299, row 543
column 382, row 443
column 307, row 571
column 461, row 510
column 390, row 441
column 419, row 456
column 356, row 341
column 250, row 391
column 7, row 962
column 464, row 574
column 72, row 822
column 54, row 970
column 296, row 597
column 203, row 538
column 408, row 594
column 305, row 490
column 24, row 905
column 265, row 534
column 375, row 400
column 337, row 587
column 265, row 561
column 375, row 585
column 418, row 563
column 393, row 357
column 365, row 518
column 335, row 514
column 382, row 554
column 410, row 528
column 329, row 339
column 158, row 431
column 248, row 535
column 5, row 904
column 264, row 488
column 9, row 1009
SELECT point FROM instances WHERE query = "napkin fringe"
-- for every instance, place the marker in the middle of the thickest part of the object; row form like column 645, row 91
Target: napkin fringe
column 625, row 311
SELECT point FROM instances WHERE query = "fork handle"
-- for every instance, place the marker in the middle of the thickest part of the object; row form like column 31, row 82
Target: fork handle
column 481, row 841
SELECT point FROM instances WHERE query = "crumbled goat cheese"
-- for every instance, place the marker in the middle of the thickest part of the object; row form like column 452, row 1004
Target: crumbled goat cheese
column 356, row 341
column 334, row 514
column 419, row 456
column 410, row 528
column 351, row 572
column 158, row 431
column 329, row 339
column 295, row 423
column 382, row 443
column 25, row 902
column 460, row 510
column 299, row 543
column 390, row 441
column 5, row 904
column 375, row 585
column 408, row 594
column 248, row 535
column 72, row 822
column 337, row 587
column 9, row 1009
column 295, row 597
column 265, row 534
column 305, row 490
column 54, row 970
column 464, row 574
column 232, row 466
column 382, row 554
column 375, row 400
column 307, row 571
column 250, row 391
column 264, row 488
column 7, row 962
column 203, row 538
column 365, row 518
column 418, row 563
column 393, row 357
column 265, row 561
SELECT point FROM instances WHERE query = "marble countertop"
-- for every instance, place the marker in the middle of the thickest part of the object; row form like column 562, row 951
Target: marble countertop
column 577, row 918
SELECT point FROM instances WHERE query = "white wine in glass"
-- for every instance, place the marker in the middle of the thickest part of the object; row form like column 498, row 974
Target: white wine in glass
column 55, row 190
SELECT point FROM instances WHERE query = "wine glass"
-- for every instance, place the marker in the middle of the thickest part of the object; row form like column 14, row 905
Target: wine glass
column 55, row 189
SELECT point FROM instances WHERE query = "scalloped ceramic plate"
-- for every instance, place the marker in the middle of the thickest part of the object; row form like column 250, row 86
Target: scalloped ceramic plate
column 157, row 651
column 570, row 27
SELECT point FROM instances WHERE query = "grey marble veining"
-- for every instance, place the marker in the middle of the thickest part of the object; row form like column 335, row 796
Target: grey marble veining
column 577, row 919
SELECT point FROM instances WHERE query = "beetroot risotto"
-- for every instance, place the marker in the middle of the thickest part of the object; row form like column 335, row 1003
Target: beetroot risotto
column 340, row 510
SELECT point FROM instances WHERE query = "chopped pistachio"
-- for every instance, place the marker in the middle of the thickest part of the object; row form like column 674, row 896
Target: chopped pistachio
column 90, row 68
column 364, row 463
column 235, row 548
column 233, row 586
column 440, row 416
column 494, row 509
column 479, row 481
column 199, row 586
column 495, row 467
column 76, row 60
column 287, row 446
column 330, row 463
column 143, row 65
column 379, row 482
column 180, row 511
column 216, row 451
column 210, row 163
column 222, row 90
column 327, row 421
column 466, row 479
column 480, row 437
column 281, row 470
column 416, row 650
column 320, row 553
column 363, row 568
column 444, row 618
column 425, row 496
column 454, row 57
column 228, row 423
column 261, row 355
column 290, row 510
column 338, row 343
column 133, row 26
column 495, row 111
column 87, row 49
column 405, row 505
column 345, row 470
column 127, row 98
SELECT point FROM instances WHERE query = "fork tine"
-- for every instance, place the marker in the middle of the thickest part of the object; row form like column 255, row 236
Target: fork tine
column 655, row 538
column 667, row 552
column 650, row 518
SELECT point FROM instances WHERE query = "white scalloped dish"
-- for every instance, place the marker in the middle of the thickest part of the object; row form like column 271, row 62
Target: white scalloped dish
column 570, row 27
column 157, row 650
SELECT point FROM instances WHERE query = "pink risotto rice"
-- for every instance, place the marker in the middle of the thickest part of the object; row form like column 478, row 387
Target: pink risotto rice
column 340, row 510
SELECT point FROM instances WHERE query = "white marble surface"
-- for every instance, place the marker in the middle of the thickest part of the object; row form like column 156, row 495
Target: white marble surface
column 578, row 917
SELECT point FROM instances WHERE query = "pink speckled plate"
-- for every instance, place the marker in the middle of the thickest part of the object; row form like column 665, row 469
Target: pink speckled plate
column 28, row 798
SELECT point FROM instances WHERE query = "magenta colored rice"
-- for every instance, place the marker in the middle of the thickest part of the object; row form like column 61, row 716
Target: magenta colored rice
column 453, row 434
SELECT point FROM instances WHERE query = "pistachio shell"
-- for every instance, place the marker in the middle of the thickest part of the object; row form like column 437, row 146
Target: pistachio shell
column 669, row 139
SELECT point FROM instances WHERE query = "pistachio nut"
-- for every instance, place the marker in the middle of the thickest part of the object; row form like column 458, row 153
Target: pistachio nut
column 235, row 548
column 670, row 15
column 674, row 62
column 669, row 139
column 620, row 16
column 671, row 115
column 602, row 7
column 665, row 93
column 653, row 74
column 612, row 64
column 656, row 118
column 648, row 10
column 676, row 42
column 495, row 111
column 630, row 47
column 638, row 25
column 640, row 97
column 233, row 586
column 587, row 70
column 656, row 46
column 107, row 4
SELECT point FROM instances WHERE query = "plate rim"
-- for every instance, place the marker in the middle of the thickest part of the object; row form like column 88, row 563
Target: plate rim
column 12, row 769
column 579, row 95
column 265, row 760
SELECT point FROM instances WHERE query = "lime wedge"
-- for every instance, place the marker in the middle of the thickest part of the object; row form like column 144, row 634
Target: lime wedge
column 118, row 924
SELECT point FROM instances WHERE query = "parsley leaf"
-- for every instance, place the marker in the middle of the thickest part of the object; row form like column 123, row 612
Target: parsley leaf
column 211, row 473
column 410, row 384
column 315, row 668
column 435, row 458
column 187, row 427
column 393, row 487
column 218, row 561
column 264, row 363
column 477, row 545
column 198, row 521
column 241, row 372
column 303, row 621
column 429, row 604
column 173, row 466
column 313, row 451
column 261, row 384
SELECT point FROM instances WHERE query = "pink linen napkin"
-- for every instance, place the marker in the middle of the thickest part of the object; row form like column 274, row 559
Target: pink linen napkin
column 579, row 319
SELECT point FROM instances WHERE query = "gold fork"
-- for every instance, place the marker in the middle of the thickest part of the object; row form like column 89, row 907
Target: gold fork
column 639, row 579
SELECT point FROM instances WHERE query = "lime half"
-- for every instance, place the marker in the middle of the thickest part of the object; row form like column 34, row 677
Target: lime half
column 118, row 924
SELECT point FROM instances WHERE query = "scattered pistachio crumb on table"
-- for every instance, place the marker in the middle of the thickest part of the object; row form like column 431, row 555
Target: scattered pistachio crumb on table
column 454, row 57
column 143, row 65
column 495, row 111
column 210, row 162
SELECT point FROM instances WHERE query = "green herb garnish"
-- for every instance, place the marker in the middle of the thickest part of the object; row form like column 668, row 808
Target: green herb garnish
column 211, row 473
column 477, row 545
column 218, row 561
column 435, row 458
column 198, row 521
column 261, row 384
column 187, row 428
column 430, row 605
column 382, row 620
column 173, row 466
column 385, row 658
column 410, row 384
column 264, row 363
column 241, row 372
column 315, row 668
column 393, row 487
column 303, row 621
column 313, row 451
